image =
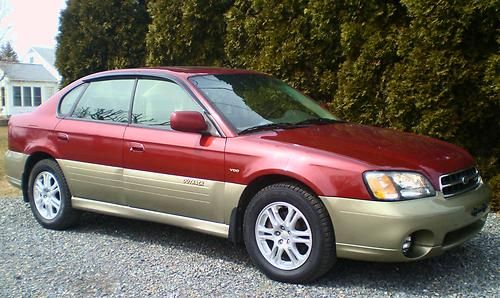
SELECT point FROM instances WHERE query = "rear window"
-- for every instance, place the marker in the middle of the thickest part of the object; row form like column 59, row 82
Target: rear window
column 69, row 100
column 106, row 101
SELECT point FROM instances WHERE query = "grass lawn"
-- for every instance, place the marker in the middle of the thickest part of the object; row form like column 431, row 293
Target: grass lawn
column 6, row 190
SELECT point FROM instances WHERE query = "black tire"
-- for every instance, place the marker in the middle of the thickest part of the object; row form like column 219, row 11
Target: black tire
column 321, row 256
column 66, row 216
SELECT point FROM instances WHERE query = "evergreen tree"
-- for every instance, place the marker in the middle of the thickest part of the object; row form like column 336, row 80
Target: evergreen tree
column 189, row 32
column 296, row 41
column 7, row 53
column 98, row 35
column 426, row 67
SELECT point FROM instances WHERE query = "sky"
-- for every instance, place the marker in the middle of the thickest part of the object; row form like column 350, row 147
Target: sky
column 28, row 23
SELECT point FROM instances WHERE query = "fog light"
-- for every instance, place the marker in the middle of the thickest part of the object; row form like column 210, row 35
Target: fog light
column 407, row 245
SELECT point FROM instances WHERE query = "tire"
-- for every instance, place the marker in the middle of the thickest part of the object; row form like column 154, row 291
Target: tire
column 288, row 234
column 49, row 196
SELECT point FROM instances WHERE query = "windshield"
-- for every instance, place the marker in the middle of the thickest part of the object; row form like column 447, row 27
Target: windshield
column 253, row 100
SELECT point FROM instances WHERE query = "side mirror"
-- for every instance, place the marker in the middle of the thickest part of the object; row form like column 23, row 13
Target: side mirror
column 188, row 121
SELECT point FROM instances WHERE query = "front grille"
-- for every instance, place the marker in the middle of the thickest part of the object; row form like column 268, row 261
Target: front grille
column 459, row 182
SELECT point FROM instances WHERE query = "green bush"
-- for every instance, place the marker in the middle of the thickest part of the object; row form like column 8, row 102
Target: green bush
column 98, row 35
column 433, row 71
column 189, row 32
column 495, row 187
column 293, row 40
column 429, row 67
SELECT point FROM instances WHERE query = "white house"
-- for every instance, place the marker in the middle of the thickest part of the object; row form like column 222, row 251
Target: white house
column 45, row 57
column 23, row 87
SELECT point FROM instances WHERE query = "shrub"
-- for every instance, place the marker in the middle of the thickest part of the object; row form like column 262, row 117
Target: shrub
column 98, row 35
column 429, row 67
column 432, row 69
column 495, row 187
column 189, row 32
column 296, row 41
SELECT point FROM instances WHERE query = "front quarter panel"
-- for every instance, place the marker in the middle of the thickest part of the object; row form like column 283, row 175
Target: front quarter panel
column 250, row 157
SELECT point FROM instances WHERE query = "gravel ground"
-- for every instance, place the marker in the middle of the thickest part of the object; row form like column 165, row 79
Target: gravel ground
column 106, row 256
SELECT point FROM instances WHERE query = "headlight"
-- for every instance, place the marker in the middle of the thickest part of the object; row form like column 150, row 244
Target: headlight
column 394, row 186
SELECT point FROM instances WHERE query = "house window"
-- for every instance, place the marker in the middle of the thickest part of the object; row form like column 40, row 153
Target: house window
column 16, row 91
column 37, row 96
column 2, row 91
column 27, row 97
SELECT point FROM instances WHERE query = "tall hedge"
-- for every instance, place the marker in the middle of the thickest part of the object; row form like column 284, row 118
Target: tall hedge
column 430, row 67
column 98, row 35
column 296, row 41
column 189, row 32
column 433, row 70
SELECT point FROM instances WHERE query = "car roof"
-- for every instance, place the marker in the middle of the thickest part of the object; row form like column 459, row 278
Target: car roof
column 201, row 70
column 178, row 71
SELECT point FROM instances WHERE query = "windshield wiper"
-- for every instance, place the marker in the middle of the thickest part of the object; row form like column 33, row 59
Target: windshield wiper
column 318, row 121
column 267, row 127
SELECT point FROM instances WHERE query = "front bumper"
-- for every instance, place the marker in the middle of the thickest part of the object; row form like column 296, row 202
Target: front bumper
column 375, row 231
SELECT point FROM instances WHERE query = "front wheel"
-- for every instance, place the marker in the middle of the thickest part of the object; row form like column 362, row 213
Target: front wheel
column 49, row 196
column 288, row 234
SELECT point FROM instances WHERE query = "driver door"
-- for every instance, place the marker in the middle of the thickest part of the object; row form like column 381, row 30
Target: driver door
column 170, row 171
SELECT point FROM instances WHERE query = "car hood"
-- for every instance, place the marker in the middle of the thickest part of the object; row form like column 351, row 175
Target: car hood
column 379, row 148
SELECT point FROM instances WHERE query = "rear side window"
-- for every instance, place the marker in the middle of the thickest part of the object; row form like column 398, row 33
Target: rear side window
column 106, row 101
column 155, row 100
column 69, row 100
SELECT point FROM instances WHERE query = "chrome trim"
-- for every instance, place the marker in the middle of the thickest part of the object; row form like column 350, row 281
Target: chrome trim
column 475, row 176
column 203, row 226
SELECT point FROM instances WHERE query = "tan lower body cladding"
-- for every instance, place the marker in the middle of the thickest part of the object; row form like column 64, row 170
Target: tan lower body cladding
column 375, row 231
column 192, row 203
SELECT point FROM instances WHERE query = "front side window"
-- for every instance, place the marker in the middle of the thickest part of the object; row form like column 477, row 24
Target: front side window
column 252, row 100
column 16, row 91
column 106, row 101
column 155, row 100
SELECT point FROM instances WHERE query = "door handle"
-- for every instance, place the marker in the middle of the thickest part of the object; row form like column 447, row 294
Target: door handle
column 61, row 136
column 136, row 147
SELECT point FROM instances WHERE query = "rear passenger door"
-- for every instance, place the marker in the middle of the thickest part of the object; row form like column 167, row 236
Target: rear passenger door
column 90, row 138
column 170, row 171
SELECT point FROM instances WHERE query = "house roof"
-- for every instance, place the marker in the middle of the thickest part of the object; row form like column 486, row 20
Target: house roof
column 48, row 54
column 27, row 72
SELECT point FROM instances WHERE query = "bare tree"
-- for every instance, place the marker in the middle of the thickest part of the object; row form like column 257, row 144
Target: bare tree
column 4, row 11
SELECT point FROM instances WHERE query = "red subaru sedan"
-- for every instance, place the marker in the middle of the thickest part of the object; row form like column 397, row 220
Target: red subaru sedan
column 240, row 155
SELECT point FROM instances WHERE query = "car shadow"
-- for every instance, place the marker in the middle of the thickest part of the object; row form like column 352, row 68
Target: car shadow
column 164, row 235
column 444, row 275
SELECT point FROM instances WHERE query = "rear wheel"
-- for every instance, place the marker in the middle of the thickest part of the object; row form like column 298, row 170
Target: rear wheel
column 288, row 234
column 49, row 196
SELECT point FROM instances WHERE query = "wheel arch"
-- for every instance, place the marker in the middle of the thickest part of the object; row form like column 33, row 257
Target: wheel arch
column 237, row 214
column 28, row 166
